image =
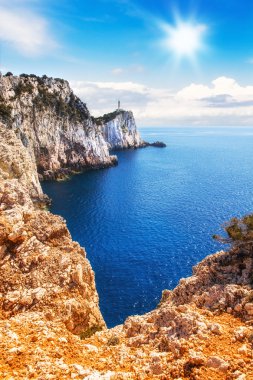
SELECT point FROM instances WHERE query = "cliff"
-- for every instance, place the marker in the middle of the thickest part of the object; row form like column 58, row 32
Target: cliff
column 53, row 124
column 119, row 130
column 41, row 269
column 203, row 329
column 57, row 128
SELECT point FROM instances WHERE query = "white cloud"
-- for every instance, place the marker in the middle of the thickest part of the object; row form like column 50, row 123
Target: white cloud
column 223, row 102
column 25, row 31
column 220, row 86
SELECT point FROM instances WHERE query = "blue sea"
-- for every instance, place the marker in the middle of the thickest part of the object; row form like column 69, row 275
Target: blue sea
column 146, row 222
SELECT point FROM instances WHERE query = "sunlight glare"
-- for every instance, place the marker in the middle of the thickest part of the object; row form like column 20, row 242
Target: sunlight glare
column 185, row 39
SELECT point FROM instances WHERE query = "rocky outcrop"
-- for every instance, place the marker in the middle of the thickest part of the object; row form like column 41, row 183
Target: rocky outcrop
column 223, row 282
column 119, row 130
column 41, row 268
column 203, row 329
column 156, row 144
column 58, row 130
column 54, row 125
column 17, row 168
column 181, row 339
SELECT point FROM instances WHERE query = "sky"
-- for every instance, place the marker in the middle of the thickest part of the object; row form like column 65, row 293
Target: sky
column 172, row 62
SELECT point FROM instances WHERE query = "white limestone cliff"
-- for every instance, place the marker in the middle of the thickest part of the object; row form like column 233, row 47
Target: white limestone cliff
column 120, row 131
column 54, row 125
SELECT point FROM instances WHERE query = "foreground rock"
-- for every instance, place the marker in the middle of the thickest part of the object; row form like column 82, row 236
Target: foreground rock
column 183, row 347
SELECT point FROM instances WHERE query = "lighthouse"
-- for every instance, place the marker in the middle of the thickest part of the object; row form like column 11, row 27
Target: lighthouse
column 118, row 105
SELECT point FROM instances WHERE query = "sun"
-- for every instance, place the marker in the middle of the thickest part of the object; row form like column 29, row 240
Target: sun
column 185, row 39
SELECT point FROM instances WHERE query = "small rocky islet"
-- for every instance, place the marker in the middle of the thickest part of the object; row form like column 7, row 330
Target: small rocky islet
column 51, row 326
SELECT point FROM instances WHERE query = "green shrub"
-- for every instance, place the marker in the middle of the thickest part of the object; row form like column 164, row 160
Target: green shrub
column 23, row 87
column 73, row 108
column 106, row 117
column 239, row 231
column 62, row 81
column 90, row 331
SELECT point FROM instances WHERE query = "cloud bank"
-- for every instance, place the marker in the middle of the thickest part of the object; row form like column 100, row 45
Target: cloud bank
column 222, row 103
column 25, row 31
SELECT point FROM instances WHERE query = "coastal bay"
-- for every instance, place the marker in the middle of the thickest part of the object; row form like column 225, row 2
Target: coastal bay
column 146, row 222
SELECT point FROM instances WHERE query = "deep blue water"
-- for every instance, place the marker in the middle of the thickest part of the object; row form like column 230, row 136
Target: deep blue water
column 146, row 222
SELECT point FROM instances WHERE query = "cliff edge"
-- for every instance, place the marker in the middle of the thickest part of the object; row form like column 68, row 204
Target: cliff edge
column 41, row 269
column 50, row 323
column 53, row 124
column 57, row 129
column 119, row 130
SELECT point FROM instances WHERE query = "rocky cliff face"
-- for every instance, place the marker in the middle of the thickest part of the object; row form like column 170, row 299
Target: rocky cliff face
column 203, row 329
column 53, row 124
column 41, row 269
column 57, row 128
column 119, row 130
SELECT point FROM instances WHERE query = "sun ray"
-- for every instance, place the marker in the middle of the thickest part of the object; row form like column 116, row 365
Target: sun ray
column 185, row 39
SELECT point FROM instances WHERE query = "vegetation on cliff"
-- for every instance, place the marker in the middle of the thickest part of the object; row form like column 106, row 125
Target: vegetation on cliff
column 203, row 329
column 5, row 111
column 54, row 124
column 239, row 232
column 107, row 117
column 71, row 106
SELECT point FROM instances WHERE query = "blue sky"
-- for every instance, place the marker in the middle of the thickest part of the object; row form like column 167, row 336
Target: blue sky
column 191, row 56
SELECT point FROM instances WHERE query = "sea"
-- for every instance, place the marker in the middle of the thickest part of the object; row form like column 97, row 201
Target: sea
column 145, row 223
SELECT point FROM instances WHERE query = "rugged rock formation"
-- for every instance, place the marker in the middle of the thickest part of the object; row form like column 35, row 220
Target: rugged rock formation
column 41, row 268
column 119, row 130
column 17, row 169
column 203, row 329
column 183, row 338
column 53, row 124
column 57, row 128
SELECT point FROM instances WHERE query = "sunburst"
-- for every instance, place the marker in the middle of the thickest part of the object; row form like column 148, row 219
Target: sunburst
column 185, row 39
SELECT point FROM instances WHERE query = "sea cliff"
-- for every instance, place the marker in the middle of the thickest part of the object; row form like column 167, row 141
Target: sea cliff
column 41, row 269
column 50, row 323
column 119, row 130
column 57, row 129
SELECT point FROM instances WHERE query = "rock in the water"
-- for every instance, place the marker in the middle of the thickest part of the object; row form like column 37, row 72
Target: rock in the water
column 156, row 144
